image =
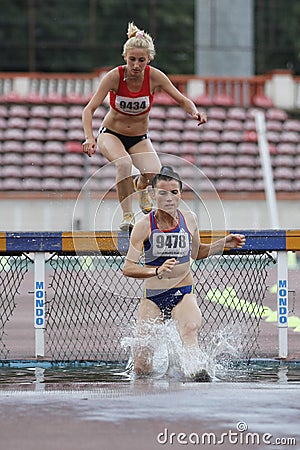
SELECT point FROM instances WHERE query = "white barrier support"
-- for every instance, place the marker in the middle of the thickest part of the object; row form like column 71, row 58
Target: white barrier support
column 282, row 303
column 39, row 303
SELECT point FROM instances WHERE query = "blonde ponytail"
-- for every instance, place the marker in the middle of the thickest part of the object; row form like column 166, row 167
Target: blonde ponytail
column 138, row 39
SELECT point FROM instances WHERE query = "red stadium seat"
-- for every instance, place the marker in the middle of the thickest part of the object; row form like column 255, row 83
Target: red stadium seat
column 53, row 159
column 75, row 111
column 171, row 147
column 273, row 137
column 226, row 160
column 4, row 111
column 58, row 123
column 250, row 136
column 75, row 134
column 285, row 185
column 171, row 135
column 12, row 159
column 11, row 171
column 223, row 100
column 54, row 97
column 214, row 125
column 208, row 171
column 286, row 148
column 276, row 114
column 175, row 112
column 19, row 111
column 249, row 125
column 173, row 124
column 207, row 160
column 12, row 146
column 283, row 160
column 244, row 185
column 14, row 134
column 245, row 160
column 274, row 125
column 225, row 185
column 191, row 136
column 216, row 112
column 158, row 112
column 35, row 134
column 59, row 111
column 245, row 172
column 74, row 147
column 209, row 136
column 71, row 184
column 51, row 171
column 189, row 148
column 37, row 123
column 74, row 159
column 72, row 171
column 3, row 123
column 54, row 147
column 225, row 172
column 291, row 125
column 208, row 148
column 31, row 171
column 228, row 147
column 156, row 124
column 231, row 136
column 233, row 125
column 31, row 184
column 50, row 184
column 290, row 136
column 17, row 122
column 263, row 101
column 32, row 158
column 74, row 123
column 12, row 184
column 55, row 135
column 203, row 100
column 248, row 148
column 283, row 173
column 155, row 135
column 236, row 113
column 162, row 98
column 39, row 111
column 33, row 146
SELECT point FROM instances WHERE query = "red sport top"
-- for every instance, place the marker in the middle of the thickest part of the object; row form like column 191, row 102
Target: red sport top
column 132, row 103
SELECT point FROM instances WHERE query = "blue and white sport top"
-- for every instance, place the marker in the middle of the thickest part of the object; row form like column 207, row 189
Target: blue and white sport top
column 164, row 244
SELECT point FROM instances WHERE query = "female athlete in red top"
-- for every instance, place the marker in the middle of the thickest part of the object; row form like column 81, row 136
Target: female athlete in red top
column 123, row 137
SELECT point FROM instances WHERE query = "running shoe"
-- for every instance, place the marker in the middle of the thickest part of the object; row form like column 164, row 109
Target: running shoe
column 144, row 199
column 127, row 222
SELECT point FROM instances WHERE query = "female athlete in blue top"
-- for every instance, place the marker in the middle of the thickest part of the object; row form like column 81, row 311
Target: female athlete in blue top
column 168, row 238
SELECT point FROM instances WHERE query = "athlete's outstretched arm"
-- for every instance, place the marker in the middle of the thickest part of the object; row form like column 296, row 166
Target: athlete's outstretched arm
column 229, row 241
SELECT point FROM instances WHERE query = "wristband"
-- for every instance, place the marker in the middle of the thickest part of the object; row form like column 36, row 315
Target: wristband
column 157, row 274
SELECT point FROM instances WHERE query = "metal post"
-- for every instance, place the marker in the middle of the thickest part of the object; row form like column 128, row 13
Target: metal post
column 282, row 303
column 39, row 303
column 267, row 168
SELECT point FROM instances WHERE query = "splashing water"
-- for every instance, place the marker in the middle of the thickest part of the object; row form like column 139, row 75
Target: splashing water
column 170, row 358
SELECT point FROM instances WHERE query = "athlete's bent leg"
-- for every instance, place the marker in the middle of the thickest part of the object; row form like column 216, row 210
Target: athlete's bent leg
column 188, row 318
column 112, row 148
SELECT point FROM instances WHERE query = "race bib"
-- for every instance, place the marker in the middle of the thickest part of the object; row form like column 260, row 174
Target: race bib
column 132, row 105
column 171, row 245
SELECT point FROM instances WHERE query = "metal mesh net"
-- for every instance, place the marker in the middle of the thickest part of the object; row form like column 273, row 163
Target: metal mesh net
column 12, row 272
column 91, row 305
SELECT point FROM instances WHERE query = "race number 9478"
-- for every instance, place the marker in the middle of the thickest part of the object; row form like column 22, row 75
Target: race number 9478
column 170, row 244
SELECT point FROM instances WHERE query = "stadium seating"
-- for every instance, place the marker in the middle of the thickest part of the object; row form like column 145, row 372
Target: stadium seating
column 40, row 146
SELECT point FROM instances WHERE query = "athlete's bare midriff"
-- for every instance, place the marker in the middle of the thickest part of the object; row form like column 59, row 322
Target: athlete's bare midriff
column 126, row 125
column 180, row 276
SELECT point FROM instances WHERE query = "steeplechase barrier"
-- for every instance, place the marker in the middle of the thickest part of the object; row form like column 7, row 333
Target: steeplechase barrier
column 83, row 305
